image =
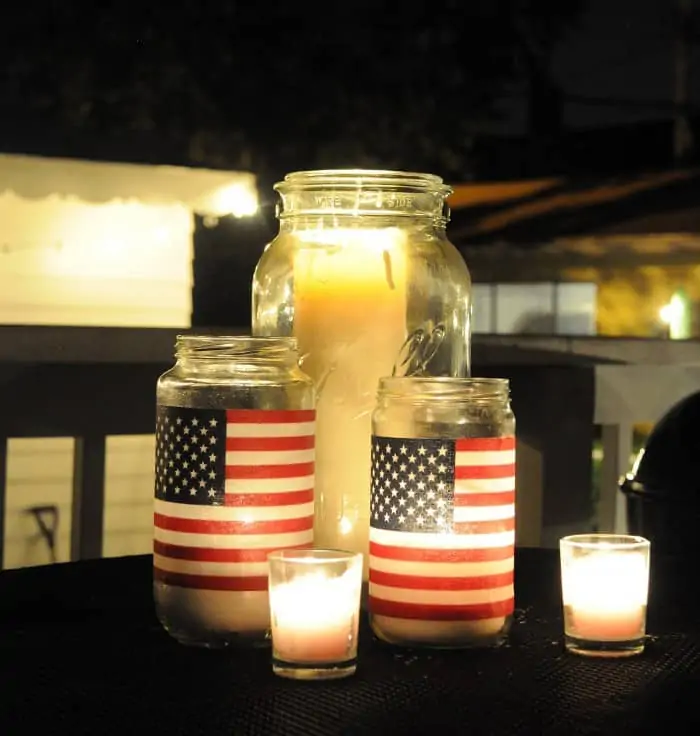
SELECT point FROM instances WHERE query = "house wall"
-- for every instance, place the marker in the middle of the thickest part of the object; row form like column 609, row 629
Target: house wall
column 40, row 472
column 68, row 262
column 635, row 275
column 630, row 298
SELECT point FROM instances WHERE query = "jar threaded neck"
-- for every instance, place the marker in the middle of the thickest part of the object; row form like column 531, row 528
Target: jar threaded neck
column 206, row 348
column 444, row 388
column 363, row 193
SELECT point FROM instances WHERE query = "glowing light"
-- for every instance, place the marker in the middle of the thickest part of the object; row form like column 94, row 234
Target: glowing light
column 671, row 311
column 345, row 525
column 676, row 315
column 235, row 200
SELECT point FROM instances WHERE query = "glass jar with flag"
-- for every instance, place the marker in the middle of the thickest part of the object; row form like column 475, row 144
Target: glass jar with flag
column 234, row 480
column 442, row 512
column 363, row 275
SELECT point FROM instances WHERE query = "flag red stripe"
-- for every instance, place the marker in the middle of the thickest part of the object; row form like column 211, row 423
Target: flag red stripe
column 270, row 444
column 445, row 612
column 485, row 444
column 208, row 554
column 290, row 498
column 484, row 527
column 417, row 582
column 478, row 472
column 210, row 582
column 201, row 526
column 254, row 472
column 268, row 416
column 418, row 554
column 484, row 499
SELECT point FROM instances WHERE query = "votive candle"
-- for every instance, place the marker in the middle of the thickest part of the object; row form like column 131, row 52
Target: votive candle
column 605, row 581
column 314, row 611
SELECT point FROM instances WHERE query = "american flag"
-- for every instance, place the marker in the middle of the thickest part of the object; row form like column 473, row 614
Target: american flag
column 231, row 486
column 442, row 528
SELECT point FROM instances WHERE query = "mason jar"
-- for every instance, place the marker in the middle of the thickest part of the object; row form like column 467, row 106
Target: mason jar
column 442, row 506
column 362, row 274
column 234, row 481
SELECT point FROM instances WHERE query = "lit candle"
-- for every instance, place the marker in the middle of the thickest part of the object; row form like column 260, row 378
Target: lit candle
column 315, row 619
column 350, row 322
column 314, row 606
column 604, row 590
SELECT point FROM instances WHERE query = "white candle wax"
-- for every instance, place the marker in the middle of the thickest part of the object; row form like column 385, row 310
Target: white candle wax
column 605, row 596
column 350, row 322
column 220, row 612
column 315, row 618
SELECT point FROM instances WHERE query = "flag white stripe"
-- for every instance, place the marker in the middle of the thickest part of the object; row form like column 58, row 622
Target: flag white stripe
column 269, row 485
column 252, row 429
column 441, row 541
column 459, row 597
column 484, row 513
column 260, row 457
column 484, row 457
column 441, row 569
column 233, row 513
column 485, row 485
column 224, row 569
column 234, row 541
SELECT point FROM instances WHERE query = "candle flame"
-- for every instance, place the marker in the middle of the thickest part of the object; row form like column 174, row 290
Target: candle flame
column 345, row 525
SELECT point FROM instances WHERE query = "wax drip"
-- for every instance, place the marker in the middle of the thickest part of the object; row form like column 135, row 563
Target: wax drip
column 387, row 269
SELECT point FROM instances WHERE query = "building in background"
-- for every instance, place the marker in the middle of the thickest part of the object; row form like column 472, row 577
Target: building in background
column 627, row 243
column 536, row 308
column 108, row 244
column 85, row 243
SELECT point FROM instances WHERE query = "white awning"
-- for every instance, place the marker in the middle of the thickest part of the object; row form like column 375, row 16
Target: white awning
column 204, row 191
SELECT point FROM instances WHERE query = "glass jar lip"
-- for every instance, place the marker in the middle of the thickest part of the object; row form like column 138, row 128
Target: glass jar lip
column 314, row 556
column 205, row 342
column 205, row 339
column 604, row 542
column 358, row 178
column 449, row 387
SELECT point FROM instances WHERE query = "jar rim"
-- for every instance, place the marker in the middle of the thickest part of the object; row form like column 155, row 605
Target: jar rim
column 218, row 339
column 451, row 387
column 359, row 178
column 221, row 344
column 604, row 541
column 314, row 556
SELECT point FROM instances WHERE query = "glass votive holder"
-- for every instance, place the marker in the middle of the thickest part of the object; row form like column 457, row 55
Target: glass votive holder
column 314, row 612
column 605, row 586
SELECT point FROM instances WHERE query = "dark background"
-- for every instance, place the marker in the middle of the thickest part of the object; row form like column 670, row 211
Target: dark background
column 482, row 89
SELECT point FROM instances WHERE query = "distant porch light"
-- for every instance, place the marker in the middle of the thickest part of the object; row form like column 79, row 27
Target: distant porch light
column 235, row 199
column 676, row 314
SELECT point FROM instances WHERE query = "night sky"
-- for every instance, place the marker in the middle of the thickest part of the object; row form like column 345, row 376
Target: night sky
column 623, row 50
column 619, row 50
column 277, row 87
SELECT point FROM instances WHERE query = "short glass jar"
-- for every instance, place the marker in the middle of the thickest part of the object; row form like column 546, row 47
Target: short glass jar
column 442, row 512
column 363, row 274
column 235, row 426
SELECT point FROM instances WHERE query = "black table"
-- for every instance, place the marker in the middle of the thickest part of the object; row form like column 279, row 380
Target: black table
column 82, row 653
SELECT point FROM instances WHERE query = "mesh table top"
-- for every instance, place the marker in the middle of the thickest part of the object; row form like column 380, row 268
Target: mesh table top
column 82, row 653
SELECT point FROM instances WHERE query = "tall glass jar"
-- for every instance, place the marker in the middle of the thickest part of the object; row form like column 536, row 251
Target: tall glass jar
column 234, row 473
column 363, row 275
column 442, row 527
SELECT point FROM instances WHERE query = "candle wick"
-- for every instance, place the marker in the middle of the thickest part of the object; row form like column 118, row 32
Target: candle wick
column 387, row 270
